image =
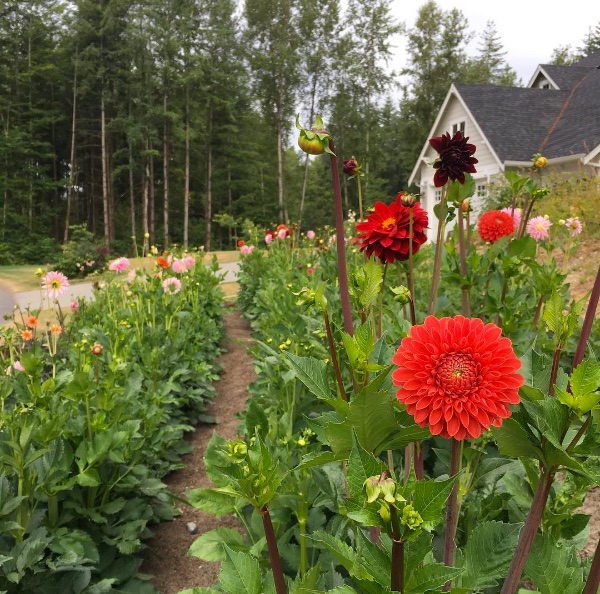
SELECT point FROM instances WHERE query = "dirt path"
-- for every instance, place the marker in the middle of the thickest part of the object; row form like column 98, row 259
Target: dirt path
column 167, row 558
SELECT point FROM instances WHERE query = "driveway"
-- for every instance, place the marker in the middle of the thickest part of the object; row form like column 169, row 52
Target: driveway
column 35, row 300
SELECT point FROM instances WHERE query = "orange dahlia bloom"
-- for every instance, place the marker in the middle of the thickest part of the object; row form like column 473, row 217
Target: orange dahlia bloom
column 32, row 322
column 494, row 224
column 386, row 231
column 162, row 262
column 26, row 334
column 457, row 376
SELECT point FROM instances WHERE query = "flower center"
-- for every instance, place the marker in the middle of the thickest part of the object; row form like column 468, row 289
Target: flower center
column 456, row 374
column 388, row 223
column 55, row 284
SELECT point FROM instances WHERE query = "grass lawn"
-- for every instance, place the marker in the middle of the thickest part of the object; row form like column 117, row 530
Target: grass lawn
column 22, row 278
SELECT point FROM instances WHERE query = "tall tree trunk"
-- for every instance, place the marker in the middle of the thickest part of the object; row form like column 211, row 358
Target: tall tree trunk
column 152, row 200
column 208, row 209
column 132, row 199
column 105, row 198
column 145, row 185
column 165, row 174
column 282, row 210
column 72, row 157
column 186, row 182
column 313, row 93
column 229, row 201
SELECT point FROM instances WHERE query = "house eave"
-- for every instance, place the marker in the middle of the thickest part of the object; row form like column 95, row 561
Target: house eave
column 554, row 161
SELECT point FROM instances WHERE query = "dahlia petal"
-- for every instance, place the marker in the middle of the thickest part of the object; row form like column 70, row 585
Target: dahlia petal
column 453, row 426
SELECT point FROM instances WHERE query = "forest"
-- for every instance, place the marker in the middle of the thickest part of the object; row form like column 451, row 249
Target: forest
column 161, row 122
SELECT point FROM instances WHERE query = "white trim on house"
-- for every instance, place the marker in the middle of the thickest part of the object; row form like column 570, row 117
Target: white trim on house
column 591, row 155
column 540, row 70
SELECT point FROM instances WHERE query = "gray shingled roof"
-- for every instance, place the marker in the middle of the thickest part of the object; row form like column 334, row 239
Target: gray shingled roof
column 520, row 122
column 514, row 120
column 566, row 77
column 578, row 128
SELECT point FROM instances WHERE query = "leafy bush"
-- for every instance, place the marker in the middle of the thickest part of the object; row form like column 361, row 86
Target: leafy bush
column 81, row 255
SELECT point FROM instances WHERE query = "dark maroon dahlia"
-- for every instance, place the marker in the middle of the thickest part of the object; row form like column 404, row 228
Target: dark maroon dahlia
column 455, row 158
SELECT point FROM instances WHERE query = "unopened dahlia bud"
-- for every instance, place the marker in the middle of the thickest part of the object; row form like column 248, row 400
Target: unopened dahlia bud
column 314, row 141
column 466, row 205
column 407, row 199
column 539, row 161
column 351, row 167
column 96, row 349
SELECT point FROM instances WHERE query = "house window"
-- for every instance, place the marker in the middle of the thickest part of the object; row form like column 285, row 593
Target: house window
column 458, row 127
column 438, row 195
column 546, row 86
column 482, row 191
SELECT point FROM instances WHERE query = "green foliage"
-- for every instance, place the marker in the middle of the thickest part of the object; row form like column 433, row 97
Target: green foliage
column 81, row 255
column 85, row 438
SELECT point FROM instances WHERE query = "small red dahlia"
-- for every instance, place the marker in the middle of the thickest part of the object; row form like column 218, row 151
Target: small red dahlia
column 495, row 224
column 386, row 232
column 457, row 376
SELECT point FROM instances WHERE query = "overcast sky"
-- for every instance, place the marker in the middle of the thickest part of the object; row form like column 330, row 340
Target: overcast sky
column 529, row 30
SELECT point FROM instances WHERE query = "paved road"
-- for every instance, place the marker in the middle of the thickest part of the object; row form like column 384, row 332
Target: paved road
column 34, row 299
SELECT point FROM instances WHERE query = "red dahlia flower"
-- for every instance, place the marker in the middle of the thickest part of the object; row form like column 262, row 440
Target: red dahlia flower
column 494, row 224
column 457, row 376
column 386, row 232
column 455, row 158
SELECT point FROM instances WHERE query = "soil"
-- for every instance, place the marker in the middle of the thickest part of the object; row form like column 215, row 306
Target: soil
column 166, row 557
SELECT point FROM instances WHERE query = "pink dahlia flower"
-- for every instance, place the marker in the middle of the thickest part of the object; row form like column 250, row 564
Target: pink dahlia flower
column 310, row 234
column 573, row 224
column 119, row 265
column 515, row 213
column 55, row 284
column 179, row 266
column 189, row 261
column 171, row 285
column 246, row 249
column 538, row 228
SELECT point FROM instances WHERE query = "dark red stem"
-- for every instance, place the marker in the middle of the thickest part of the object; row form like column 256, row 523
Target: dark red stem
column 332, row 352
column 273, row 552
column 341, row 242
column 593, row 581
column 452, row 511
column 588, row 321
column 532, row 523
column 397, row 572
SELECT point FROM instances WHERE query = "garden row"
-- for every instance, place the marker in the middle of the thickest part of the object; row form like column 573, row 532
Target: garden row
column 93, row 411
column 341, row 483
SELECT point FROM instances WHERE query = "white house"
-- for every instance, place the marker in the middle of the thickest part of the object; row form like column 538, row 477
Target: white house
column 557, row 115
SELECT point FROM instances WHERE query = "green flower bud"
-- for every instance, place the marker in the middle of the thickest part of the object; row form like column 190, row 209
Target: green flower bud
column 401, row 295
column 411, row 518
column 373, row 488
column 314, row 141
column 388, row 487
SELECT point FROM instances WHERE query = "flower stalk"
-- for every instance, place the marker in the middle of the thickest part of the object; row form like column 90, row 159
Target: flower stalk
column 341, row 242
column 511, row 583
column 397, row 570
column 276, row 567
column 452, row 509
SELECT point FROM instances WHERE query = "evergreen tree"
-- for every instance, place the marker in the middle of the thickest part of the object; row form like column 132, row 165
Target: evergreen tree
column 489, row 66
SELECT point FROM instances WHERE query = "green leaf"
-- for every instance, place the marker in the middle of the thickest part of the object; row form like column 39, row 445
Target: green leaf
column 372, row 418
column 514, row 441
column 376, row 561
column 430, row 577
column 488, row 553
column 522, row 248
column 209, row 546
column 313, row 374
column 430, row 498
column 585, row 378
column 373, row 277
column 345, row 555
column 256, row 419
column 554, row 568
column 361, row 466
column 218, row 502
column 240, row 573
column 551, row 417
